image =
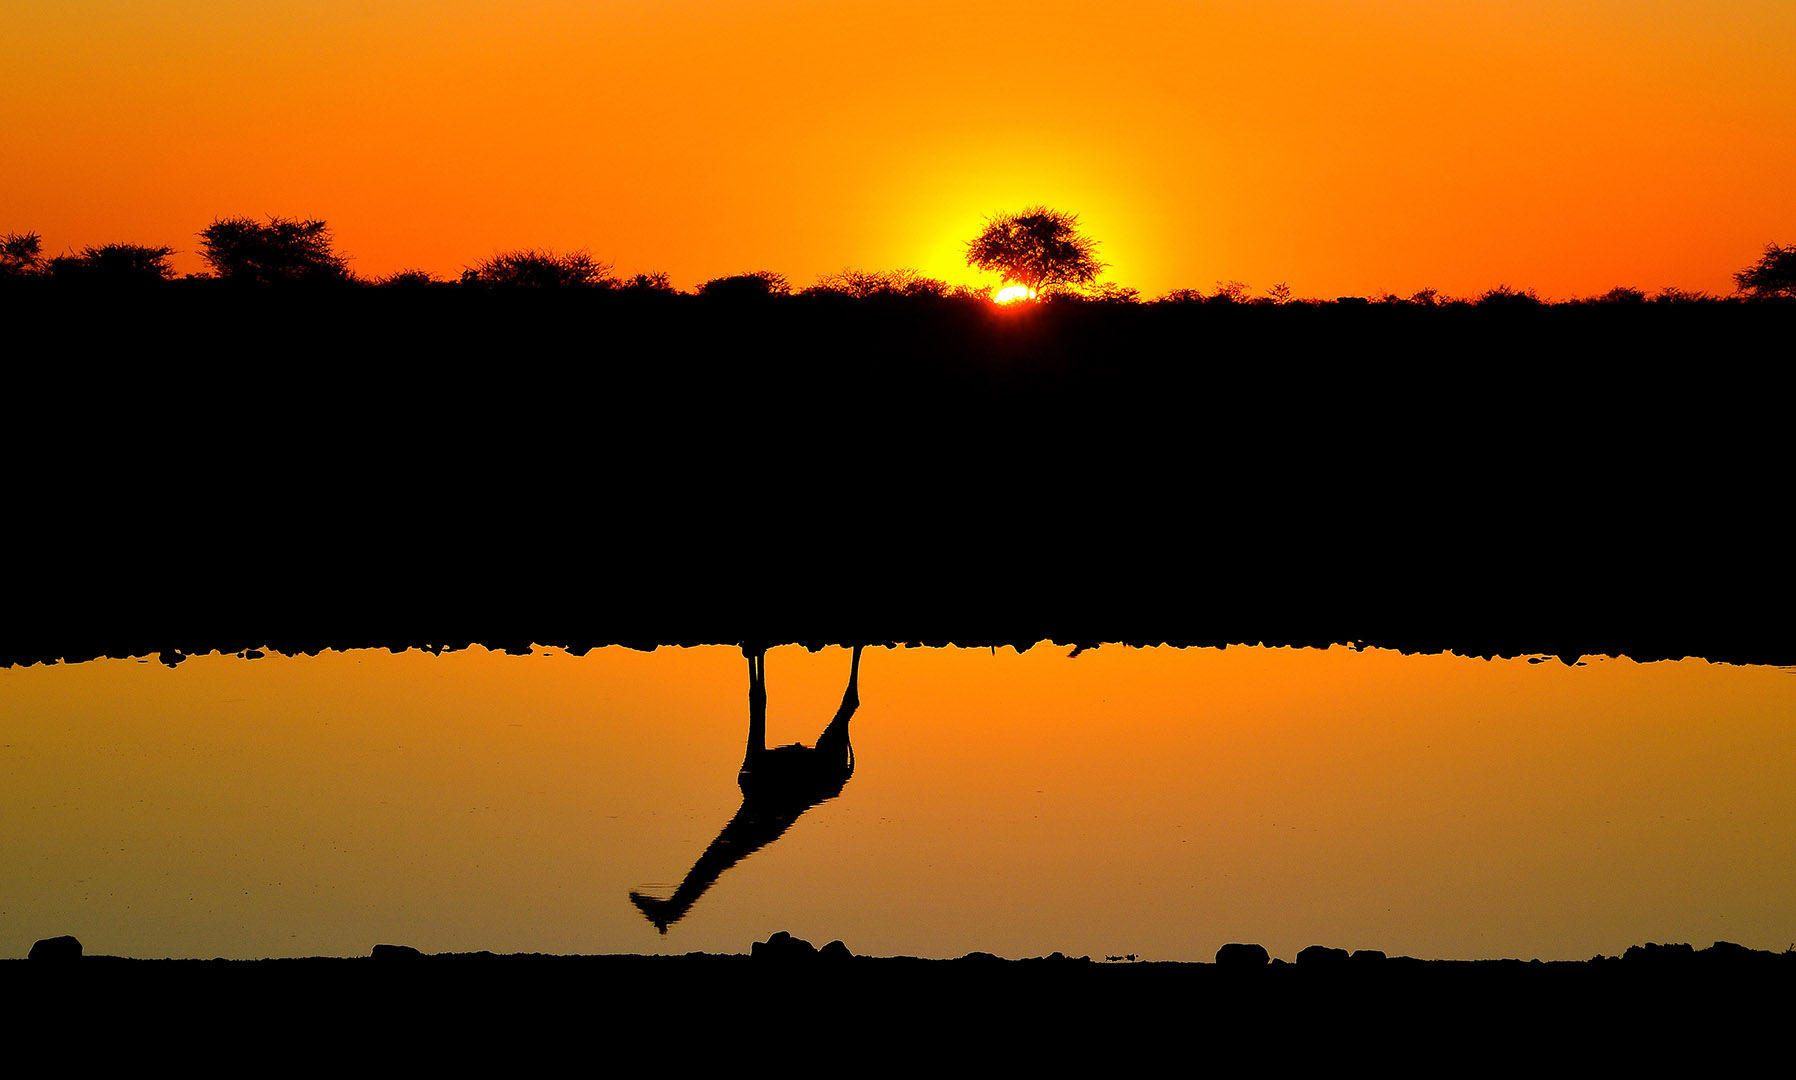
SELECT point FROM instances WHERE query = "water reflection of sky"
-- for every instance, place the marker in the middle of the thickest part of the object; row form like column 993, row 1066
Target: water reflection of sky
column 1157, row 802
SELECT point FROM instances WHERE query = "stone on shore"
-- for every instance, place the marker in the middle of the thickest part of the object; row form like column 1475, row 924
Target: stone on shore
column 1239, row 955
column 1321, row 956
column 56, row 948
column 784, row 947
column 835, row 950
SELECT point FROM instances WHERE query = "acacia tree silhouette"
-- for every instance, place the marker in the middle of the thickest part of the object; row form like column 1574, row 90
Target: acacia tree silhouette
column 1037, row 248
column 1773, row 275
column 281, row 251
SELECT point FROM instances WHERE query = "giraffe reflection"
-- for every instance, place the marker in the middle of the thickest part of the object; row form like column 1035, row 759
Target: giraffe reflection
column 778, row 785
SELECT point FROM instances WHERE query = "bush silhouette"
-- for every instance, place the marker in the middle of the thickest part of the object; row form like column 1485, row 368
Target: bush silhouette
column 1671, row 294
column 282, row 251
column 1107, row 293
column 115, row 264
column 533, row 269
column 408, row 279
column 649, row 283
column 1773, row 275
column 19, row 254
column 1037, row 248
column 1228, row 292
column 1505, row 298
column 745, row 286
column 861, row 284
column 925, row 286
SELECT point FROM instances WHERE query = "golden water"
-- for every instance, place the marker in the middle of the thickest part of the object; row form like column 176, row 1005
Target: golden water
column 1157, row 802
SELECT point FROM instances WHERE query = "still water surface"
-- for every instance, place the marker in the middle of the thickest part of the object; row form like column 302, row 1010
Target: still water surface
column 1157, row 802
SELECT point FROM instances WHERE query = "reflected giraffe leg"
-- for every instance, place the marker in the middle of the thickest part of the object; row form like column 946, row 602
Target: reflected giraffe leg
column 833, row 743
column 757, row 703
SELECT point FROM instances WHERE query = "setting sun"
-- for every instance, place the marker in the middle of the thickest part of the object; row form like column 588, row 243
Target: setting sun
column 1012, row 293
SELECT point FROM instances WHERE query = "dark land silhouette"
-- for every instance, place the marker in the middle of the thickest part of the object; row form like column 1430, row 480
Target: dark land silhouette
column 778, row 785
column 1719, row 1007
column 201, row 465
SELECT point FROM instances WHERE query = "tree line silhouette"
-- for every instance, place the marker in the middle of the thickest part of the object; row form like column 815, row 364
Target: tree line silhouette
column 1038, row 248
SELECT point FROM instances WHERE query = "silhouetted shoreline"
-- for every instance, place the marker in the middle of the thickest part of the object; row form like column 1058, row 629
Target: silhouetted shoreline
column 1652, row 1003
column 784, row 953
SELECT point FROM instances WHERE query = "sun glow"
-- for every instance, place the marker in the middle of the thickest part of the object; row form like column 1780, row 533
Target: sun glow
column 1012, row 293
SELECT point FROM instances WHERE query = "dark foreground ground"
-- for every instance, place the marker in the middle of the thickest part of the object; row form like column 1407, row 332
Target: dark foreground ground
column 209, row 468
column 1720, row 1009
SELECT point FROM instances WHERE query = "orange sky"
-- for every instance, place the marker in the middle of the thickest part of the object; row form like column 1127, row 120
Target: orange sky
column 1342, row 146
